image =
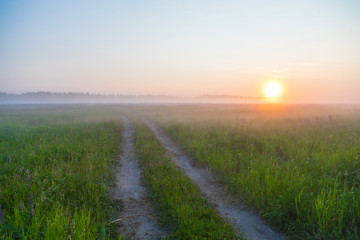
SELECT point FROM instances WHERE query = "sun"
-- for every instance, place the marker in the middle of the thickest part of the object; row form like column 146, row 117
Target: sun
column 273, row 89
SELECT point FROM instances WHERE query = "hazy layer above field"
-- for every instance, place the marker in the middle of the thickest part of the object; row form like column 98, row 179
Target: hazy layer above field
column 76, row 98
column 70, row 97
column 238, row 113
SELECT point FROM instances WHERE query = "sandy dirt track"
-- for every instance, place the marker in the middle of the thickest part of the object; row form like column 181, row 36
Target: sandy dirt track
column 243, row 220
column 137, row 217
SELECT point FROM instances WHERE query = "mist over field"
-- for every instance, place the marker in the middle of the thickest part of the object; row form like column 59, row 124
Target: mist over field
column 180, row 119
column 87, row 98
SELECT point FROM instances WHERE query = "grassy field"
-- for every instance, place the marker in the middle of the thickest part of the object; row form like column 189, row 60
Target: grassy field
column 179, row 203
column 297, row 166
column 55, row 171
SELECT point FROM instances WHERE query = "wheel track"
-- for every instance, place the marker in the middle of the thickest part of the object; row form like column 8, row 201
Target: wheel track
column 138, row 221
column 244, row 221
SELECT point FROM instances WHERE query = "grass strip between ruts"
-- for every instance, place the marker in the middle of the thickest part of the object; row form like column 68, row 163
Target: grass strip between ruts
column 181, row 207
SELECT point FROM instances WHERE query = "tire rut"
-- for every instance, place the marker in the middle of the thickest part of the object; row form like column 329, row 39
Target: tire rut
column 243, row 220
column 138, row 218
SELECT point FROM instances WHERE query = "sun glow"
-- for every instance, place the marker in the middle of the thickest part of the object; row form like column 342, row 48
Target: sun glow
column 272, row 89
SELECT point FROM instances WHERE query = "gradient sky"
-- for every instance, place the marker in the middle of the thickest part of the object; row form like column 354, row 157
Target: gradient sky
column 182, row 47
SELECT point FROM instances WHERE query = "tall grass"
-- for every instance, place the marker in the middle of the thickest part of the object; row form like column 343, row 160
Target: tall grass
column 180, row 204
column 55, row 172
column 300, row 172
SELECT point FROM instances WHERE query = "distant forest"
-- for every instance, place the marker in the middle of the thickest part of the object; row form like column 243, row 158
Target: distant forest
column 73, row 97
column 46, row 97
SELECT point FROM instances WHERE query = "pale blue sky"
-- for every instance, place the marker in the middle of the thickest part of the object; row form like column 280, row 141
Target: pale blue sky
column 184, row 48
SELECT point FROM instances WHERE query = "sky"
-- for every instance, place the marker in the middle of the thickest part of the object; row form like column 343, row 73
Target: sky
column 182, row 47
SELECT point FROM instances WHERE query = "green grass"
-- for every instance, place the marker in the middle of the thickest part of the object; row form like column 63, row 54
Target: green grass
column 291, row 164
column 68, row 153
column 300, row 173
column 181, row 207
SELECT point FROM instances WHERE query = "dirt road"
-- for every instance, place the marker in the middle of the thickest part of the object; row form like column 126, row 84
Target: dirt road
column 243, row 220
column 137, row 217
